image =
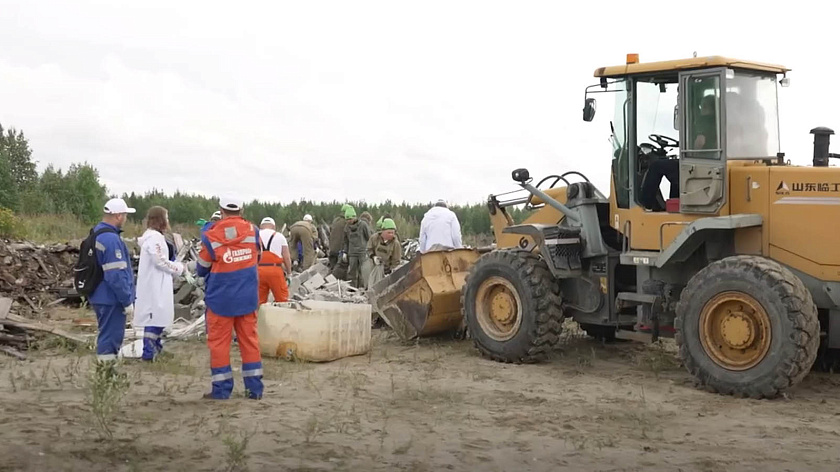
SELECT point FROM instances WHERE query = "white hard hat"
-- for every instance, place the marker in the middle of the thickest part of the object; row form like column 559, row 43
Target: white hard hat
column 231, row 203
column 307, row 217
column 216, row 214
column 268, row 220
column 117, row 206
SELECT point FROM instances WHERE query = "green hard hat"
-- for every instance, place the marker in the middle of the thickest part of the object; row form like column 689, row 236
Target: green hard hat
column 201, row 222
column 349, row 212
column 388, row 223
column 345, row 207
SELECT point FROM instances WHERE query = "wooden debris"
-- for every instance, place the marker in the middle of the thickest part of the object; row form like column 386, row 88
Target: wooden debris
column 5, row 306
column 13, row 352
column 22, row 323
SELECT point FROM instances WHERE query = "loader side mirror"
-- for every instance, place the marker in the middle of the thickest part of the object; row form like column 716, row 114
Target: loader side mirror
column 521, row 175
column 589, row 109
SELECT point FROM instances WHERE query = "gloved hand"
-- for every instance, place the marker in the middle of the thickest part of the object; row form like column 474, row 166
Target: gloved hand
column 344, row 257
column 191, row 267
column 294, row 264
column 129, row 311
column 189, row 278
column 377, row 260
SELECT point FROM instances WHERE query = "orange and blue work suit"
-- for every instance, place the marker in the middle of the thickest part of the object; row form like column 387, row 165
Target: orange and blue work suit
column 228, row 262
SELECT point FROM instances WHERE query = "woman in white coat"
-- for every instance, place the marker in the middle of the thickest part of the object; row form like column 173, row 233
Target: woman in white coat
column 154, row 307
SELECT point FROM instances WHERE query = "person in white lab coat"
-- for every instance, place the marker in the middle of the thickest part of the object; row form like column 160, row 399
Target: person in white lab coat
column 440, row 229
column 154, row 308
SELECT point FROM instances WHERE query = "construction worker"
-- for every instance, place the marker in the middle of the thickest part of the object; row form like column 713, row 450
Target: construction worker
column 384, row 248
column 302, row 236
column 339, row 269
column 113, row 298
column 155, row 306
column 367, row 218
column 228, row 262
column 217, row 215
column 274, row 263
column 379, row 222
column 440, row 229
column 357, row 235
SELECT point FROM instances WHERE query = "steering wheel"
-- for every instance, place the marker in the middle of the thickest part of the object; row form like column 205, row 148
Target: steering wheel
column 664, row 141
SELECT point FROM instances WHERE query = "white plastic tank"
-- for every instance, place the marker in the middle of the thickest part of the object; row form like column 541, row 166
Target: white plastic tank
column 314, row 331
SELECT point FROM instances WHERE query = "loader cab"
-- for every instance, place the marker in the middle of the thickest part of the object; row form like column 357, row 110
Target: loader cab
column 676, row 123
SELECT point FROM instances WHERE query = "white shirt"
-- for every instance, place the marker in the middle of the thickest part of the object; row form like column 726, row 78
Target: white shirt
column 440, row 226
column 276, row 244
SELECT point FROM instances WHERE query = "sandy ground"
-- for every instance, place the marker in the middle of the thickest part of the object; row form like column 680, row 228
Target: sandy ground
column 427, row 406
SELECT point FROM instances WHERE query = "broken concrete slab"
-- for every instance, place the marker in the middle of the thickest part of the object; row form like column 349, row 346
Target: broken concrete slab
column 294, row 285
column 314, row 283
column 183, row 293
column 183, row 311
column 330, row 279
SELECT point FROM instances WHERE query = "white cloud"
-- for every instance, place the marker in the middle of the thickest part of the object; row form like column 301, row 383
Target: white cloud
column 360, row 100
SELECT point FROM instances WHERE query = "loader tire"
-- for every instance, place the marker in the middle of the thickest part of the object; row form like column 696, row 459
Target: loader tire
column 746, row 326
column 511, row 304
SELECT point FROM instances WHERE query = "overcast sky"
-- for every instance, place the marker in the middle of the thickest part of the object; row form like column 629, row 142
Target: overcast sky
column 366, row 100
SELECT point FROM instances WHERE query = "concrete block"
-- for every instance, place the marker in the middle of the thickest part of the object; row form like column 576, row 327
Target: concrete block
column 183, row 311
column 294, row 285
column 314, row 283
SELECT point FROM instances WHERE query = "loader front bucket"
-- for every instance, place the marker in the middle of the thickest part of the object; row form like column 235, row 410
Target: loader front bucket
column 423, row 297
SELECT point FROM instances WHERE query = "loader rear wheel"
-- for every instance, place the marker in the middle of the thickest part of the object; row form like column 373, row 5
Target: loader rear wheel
column 512, row 308
column 747, row 326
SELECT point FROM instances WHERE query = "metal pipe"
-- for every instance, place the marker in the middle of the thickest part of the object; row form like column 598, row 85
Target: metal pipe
column 552, row 202
column 515, row 201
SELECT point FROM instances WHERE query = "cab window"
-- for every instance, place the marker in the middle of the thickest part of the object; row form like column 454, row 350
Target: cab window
column 703, row 117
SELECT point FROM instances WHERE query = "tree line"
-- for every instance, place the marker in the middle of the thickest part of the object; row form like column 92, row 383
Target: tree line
column 78, row 191
column 188, row 208
column 23, row 190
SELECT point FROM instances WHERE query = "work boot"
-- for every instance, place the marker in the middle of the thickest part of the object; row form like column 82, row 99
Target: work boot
column 209, row 396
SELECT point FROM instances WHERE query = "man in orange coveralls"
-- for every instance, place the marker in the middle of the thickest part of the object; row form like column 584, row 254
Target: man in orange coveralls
column 228, row 262
column 274, row 262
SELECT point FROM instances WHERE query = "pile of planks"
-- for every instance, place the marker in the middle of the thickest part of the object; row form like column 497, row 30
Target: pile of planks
column 17, row 332
column 36, row 275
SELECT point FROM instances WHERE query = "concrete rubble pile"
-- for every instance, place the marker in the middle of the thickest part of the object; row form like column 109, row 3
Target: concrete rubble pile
column 410, row 248
column 316, row 283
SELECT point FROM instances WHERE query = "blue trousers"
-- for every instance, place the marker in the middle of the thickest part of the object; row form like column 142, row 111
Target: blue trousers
column 111, row 321
column 151, row 342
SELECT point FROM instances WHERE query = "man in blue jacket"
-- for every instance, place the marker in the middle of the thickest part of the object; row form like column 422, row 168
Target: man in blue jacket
column 113, row 298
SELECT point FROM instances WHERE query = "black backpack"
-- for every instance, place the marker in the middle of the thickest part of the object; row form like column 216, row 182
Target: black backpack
column 87, row 274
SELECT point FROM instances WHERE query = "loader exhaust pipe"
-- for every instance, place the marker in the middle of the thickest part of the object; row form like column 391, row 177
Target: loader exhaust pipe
column 822, row 140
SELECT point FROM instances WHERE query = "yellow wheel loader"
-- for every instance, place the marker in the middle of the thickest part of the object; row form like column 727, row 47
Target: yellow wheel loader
column 708, row 234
